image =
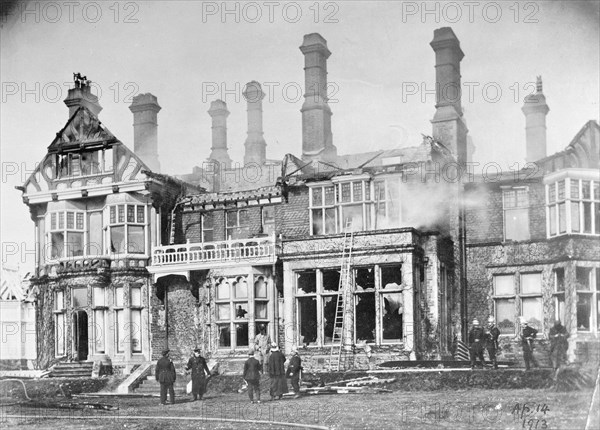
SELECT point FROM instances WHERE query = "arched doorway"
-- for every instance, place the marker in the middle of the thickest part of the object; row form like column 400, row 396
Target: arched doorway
column 80, row 335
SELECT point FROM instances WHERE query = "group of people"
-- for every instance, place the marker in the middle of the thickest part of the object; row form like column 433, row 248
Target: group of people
column 269, row 357
column 166, row 376
column 481, row 339
column 274, row 360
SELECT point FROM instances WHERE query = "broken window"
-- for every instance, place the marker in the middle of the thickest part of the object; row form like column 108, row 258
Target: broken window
column 387, row 203
column 322, row 210
column 307, row 319
column 306, row 282
column 127, row 229
column 392, row 303
column 237, row 224
column 583, row 284
column 235, row 308
column 268, row 219
column 364, row 304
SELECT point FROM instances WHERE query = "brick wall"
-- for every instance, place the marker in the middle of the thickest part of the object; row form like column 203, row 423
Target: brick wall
column 293, row 215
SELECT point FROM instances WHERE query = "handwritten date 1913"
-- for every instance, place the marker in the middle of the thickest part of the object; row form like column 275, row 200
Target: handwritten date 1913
column 529, row 409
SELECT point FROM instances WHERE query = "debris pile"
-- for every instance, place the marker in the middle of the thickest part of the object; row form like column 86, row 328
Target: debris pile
column 364, row 385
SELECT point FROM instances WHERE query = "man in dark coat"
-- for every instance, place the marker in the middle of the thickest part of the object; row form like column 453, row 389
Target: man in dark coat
column 491, row 342
column 476, row 343
column 165, row 375
column 293, row 371
column 252, row 371
column 277, row 372
column 558, row 343
column 197, row 364
column 527, row 337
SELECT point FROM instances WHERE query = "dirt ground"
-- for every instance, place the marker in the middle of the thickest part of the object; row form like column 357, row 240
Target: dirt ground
column 456, row 409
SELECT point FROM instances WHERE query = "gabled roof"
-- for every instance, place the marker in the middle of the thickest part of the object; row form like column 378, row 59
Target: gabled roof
column 583, row 151
column 83, row 129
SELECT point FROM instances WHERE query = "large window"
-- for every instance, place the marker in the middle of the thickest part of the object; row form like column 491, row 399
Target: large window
column 237, row 304
column 127, row 229
column 387, row 203
column 84, row 163
column 516, row 214
column 66, row 234
column 511, row 302
column 317, row 292
column 573, row 207
column 323, row 213
column 587, row 284
column 354, row 205
column 237, row 224
column 129, row 332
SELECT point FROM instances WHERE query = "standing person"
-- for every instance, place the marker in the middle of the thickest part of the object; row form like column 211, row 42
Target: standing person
column 277, row 372
column 293, row 371
column 262, row 344
column 166, row 376
column 476, row 343
column 252, row 371
column 492, row 335
column 527, row 337
column 197, row 364
column 558, row 343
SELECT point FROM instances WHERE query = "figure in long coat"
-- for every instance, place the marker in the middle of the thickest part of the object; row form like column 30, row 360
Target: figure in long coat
column 277, row 373
column 197, row 364
column 476, row 344
column 262, row 345
column 558, row 336
column 166, row 376
column 293, row 371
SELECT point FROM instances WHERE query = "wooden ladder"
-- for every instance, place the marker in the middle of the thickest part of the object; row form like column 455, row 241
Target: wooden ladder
column 338, row 344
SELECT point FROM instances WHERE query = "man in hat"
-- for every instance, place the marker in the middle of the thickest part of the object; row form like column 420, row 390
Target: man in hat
column 293, row 371
column 197, row 364
column 165, row 375
column 558, row 343
column 476, row 343
column 277, row 372
column 252, row 372
column 527, row 337
column 492, row 334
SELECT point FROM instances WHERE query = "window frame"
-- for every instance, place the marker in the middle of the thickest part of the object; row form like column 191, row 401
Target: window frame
column 55, row 228
column 518, row 295
column 126, row 224
column 586, row 200
column 520, row 205
column 60, row 312
column 65, row 169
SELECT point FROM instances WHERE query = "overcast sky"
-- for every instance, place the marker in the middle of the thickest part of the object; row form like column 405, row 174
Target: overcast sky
column 188, row 54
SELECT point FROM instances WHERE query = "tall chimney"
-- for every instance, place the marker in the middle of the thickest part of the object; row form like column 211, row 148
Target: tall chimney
column 317, row 140
column 255, row 143
column 448, row 125
column 535, row 110
column 219, row 113
column 145, row 110
column 81, row 95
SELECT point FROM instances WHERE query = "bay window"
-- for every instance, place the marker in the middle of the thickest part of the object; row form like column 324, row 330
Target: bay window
column 127, row 228
column 66, row 234
column 573, row 206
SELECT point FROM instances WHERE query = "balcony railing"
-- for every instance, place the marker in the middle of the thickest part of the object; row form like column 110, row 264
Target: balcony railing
column 226, row 251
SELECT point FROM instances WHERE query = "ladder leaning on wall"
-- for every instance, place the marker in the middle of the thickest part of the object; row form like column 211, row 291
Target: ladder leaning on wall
column 338, row 337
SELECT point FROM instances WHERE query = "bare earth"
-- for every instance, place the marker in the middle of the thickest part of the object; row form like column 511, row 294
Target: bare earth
column 461, row 409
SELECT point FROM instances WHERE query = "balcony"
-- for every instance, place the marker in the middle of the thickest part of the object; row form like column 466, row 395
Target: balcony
column 180, row 259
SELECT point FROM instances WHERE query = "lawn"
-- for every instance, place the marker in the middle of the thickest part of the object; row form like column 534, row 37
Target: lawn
column 445, row 409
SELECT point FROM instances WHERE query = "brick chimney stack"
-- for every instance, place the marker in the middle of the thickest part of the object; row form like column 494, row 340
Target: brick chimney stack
column 219, row 113
column 535, row 110
column 145, row 110
column 317, row 140
column 81, row 95
column 448, row 125
column 255, row 143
